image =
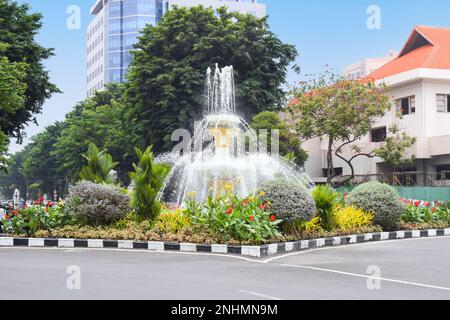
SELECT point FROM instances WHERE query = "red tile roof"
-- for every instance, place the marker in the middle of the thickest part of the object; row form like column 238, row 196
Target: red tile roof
column 427, row 47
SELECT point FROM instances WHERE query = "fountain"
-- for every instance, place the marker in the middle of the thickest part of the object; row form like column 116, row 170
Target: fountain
column 221, row 161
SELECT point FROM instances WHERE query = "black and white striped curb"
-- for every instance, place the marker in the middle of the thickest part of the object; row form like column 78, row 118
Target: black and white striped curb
column 251, row 251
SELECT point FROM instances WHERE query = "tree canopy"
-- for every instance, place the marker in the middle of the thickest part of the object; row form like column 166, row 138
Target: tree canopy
column 289, row 144
column 343, row 112
column 18, row 30
column 166, row 80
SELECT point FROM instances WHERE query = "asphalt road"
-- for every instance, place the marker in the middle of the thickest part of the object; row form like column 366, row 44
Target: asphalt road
column 408, row 269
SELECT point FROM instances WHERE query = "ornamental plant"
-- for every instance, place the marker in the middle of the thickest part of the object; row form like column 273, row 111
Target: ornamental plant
column 147, row 180
column 350, row 218
column 380, row 199
column 100, row 166
column 289, row 201
column 325, row 198
column 231, row 217
column 418, row 212
column 28, row 221
column 97, row 204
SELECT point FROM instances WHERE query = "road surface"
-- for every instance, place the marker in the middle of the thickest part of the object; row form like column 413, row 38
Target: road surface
column 404, row 269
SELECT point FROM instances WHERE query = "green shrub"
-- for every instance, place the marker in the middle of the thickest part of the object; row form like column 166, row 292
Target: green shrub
column 325, row 198
column 97, row 204
column 380, row 199
column 147, row 179
column 289, row 201
column 100, row 166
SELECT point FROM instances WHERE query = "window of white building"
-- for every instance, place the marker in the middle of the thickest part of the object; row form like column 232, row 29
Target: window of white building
column 443, row 103
column 406, row 105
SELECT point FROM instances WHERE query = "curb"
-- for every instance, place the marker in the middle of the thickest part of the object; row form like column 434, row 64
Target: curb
column 251, row 251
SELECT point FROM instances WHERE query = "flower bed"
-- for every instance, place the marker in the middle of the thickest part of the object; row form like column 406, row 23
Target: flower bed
column 262, row 218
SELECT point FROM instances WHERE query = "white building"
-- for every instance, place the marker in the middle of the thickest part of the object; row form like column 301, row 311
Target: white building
column 116, row 26
column 364, row 67
column 419, row 84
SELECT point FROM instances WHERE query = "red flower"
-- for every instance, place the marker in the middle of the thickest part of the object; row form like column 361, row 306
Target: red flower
column 7, row 216
column 427, row 204
column 36, row 203
column 252, row 218
column 273, row 218
column 417, row 203
column 41, row 200
column 440, row 204
column 434, row 209
column 244, row 203
column 15, row 212
column 262, row 206
column 230, row 211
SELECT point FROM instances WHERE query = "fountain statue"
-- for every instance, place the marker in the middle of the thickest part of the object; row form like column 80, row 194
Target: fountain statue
column 227, row 156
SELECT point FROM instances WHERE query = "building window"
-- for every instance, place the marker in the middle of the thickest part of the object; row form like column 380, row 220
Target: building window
column 443, row 103
column 379, row 134
column 406, row 105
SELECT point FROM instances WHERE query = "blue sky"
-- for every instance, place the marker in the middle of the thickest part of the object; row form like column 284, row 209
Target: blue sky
column 324, row 31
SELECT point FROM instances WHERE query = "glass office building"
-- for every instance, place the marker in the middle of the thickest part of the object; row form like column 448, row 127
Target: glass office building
column 116, row 26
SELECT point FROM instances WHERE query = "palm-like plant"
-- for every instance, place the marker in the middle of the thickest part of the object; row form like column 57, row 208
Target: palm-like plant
column 148, row 179
column 100, row 166
column 325, row 198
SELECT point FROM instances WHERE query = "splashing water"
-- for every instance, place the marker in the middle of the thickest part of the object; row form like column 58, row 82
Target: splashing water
column 220, row 162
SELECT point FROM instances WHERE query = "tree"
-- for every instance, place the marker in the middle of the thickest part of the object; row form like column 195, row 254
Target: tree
column 167, row 74
column 343, row 112
column 12, row 98
column 148, row 179
column 100, row 166
column 18, row 30
column 289, row 143
column 99, row 120
column 39, row 166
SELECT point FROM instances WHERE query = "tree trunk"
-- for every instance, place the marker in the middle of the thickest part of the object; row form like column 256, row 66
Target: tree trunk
column 330, row 166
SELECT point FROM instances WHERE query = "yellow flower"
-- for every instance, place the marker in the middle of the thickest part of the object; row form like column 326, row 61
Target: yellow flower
column 252, row 199
column 261, row 194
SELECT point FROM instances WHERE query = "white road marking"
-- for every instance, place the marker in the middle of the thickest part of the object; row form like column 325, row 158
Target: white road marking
column 256, row 294
column 373, row 243
column 366, row 276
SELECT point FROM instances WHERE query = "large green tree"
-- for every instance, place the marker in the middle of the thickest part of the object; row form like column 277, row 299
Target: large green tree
column 289, row 142
column 39, row 166
column 12, row 98
column 98, row 120
column 18, row 30
column 166, row 79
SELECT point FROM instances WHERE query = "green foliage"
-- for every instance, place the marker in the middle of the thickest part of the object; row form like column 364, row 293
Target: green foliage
column 380, row 199
column 18, row 30
column 418, row 214
column 100, row 166
column 147, row 179
column 28, row 221
column 97, row 204
column 289, row 144
column 166, row 78
column 289, row 201
column 172, row 222
column 395, row 148
column 232, row 218
column 12, row 99
column 40, row 167
column 342, row 112
column 325, row 198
